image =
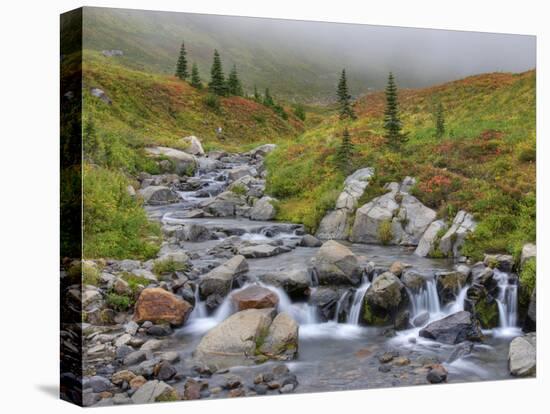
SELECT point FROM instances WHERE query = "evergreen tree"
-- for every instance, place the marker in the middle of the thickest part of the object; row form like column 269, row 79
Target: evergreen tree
column 300, row 112
column 217, row 80
column 439, row 121
column 268, row 100
column 344, row 98
column 392, row 123
column 345, row 152
column 195, row 77
column 257, row 96
column 181, row 67
column 234, row 86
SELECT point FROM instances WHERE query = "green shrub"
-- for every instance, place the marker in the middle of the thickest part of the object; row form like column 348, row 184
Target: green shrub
column 300, row 112
column 91, row 274
column 115, row 224
column 165, row 266
column 134, row 282
column 239, row 189
column 119, row 303
column 385, row 234
column 212, row 102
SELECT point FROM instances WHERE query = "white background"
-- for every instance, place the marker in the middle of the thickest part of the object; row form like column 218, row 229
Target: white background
column 29, row 204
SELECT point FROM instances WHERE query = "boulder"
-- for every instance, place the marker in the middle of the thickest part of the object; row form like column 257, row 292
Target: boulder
column 224, row 204
column 453, row 239
column 262, row 250
column 503, row 262
column 160, row 306
column 415, row 218
column 437, row 374
column 336, row 223
column 235, row 340
column 397, row 268
column 263, row 209
column 262, row 150
column 184, row 163
column 325, row 300
column 220, row 279
column 453, row 329
column 281, row 341
column 158, row 195
column 386, row 302
column 335, row 264
column 100, row 93
column 241, row 171
column 192, row 145
column 414, row 281
column 528, row 251
column 449, row 285
column 522, row 356
column 295, row 282
column 193, row 232
column 255, row 297
column 426, row 245
column 153, row 391
column 310, row 241
column 370, row 216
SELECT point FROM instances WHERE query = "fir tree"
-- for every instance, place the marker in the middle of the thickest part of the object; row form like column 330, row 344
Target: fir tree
column 217, row 80
column 344, row 98
column 268, row 100
column 195, row 77
column 392, row 123
column 439, row 121
column 257, row 96
column 181, row 67
column 345, row 152
column 234, row 86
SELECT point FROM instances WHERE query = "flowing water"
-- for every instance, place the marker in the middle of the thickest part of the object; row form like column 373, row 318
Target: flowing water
column 341, row 354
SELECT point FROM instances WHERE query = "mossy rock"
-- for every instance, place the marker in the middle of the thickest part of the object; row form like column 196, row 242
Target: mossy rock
column 372, row 317
column 486, row 312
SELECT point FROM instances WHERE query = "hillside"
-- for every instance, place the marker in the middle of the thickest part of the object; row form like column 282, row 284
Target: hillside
column 485, row 163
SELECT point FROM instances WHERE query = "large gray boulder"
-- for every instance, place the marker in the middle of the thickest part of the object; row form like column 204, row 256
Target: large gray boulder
column 185, row 164
column 528, row 251
column 522, row 356
column 262, row 250
column 386, row 302
column 158, row 195
column 241, row 171
column 453, row 329
column 220, row 279
column 416, row 218
column 224, row 204
column 453, row 239
column 281, row 341
column 336, row 223
column 262, row 150
column 192, row 232
column 295, row 282
column 153, row 391
column 235, row 340
column 449, row 285
column 335, row 264
column 192, row 145
column 263, row 209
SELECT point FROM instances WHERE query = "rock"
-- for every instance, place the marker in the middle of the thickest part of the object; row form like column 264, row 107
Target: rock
column 220, row 279
column 503, row 262
column 310, row 241
column 522, row 356
column 170, row 356
column 123, row 340
column 209, row 165
column 241, row 171
column 262, row 150
column 192, row 145
column 164, row 371
column 192, row 390
column 112, row 52
column 193, row 232
column 415, row 218
column 255, row 297
column 335, row 264
column 262, row 250
column 453, row 239
column 295, row 282
column 157, row 195
column 453, row 329
column 386, row 302
column 151, row 345
column 281, row 341
column 263, row 209
column 335, row 225
column 528, row 251
column 123, row 376
column 421, row 319
column 414, row 281
column 137, row 382
column 397, row 268
column 234, row 341
column 530, row 322
column 426, row 244
column 120, row 286
column 224, row 204
column 159, row 330
column 449, row 285
column 100, row 93
column 437, row 374
column 460, row 351
column 98, row 384
column 184, row 163
column 160, row 306
column 325, row 300
column 135, row 358
column 370, row 216
column 153, row 391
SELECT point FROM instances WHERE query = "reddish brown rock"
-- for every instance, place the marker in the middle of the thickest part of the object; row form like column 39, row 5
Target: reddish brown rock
column 255, row 297
column 192, row 390
column 160, row 306
column 137, row 382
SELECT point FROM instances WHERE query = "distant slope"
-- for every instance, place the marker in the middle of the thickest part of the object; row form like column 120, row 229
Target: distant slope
column 485, row 162
column 158, row 109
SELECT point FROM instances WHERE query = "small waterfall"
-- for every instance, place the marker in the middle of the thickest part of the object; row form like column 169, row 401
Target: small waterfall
column 507, row 299
column 314, row 277
column 199, row 311
column 458, row 304
column 426, row 299
column 355, row 311
column 340, row 305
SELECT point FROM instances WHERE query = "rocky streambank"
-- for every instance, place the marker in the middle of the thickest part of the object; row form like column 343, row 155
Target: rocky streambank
column 236, row 304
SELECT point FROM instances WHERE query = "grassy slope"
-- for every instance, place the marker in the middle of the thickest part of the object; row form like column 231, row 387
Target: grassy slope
column 146, row 110
column 485, row 162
